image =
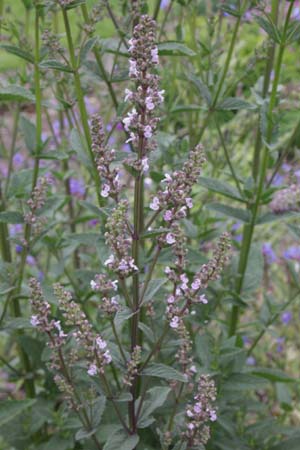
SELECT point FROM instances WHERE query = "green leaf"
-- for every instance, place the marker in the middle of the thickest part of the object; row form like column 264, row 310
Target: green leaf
column 201, row 88
column 29, row 132
column 17, row 51
column 270, row 28
column 9, row 409
column 231, row 11
column 221, row 187
column 19, row 323
column 121, row 441
column 153, row 288
column 122, row 315
column 14, row 93
column 165, row 372
column 229, row 211
column 156, row 397
column 255, row 269
column 293, row 33
column 88, row 46
column 77, row 144
column 55, row 65
column 84, row 238
column 11, row 217
column 97, row 410
column 274, row 375
column 185, row 108
column 288, row 444
column 242, row 381
column 235, row 104
column 84, row 434
column 173, row 48
column 74, row 4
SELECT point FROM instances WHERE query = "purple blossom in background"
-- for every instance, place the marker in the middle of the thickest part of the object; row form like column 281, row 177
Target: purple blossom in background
column 246, row 340
column 237, row 227
column 31, row 261
column 18, row 160
column 77, row 187
column 119, row 126
column 3, row 168
column 93, row 222
column 296, row 11
column 280, row 344
column 292, row 252
column 164, row 4
column 278, row 180
column 286, row 317
column 251, row 361
column 286, row 167
column 18, row 248
column 269, row 253
column 15, row 229
column 41, row 276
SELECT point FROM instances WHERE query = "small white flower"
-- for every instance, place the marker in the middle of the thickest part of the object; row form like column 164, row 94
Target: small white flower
column 132, row 265
column 105, row 190
column 115, row 285
column 114, row 301
column 168, row 215
column 196, row 284
column 101, row 343
column 191, row 426
column 107, row 357
column 167, row 178
column 170, row 239
column 92, row 370
column 182, row 211
column 132, row 137
column 171, row 299
column 145, row 164
column 213, row 415
column 184, row 278
column 161, row 96
column 128, row 94
column 132, row 68
column 110, row 260
column 174, row 322
column 34, row 321
column 193, row 369
column 198, row 408
column 189, row 202
column 154, row 55
column 123, row 265
column 189, row 413
column 148, row 132
column 203, row 299
column 155, row 204
column 93, row 285
column 168, row 270
column 149, row 103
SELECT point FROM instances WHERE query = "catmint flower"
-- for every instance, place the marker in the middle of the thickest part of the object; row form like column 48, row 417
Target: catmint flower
column 128, row 95
column 168, row 215
column 145, row 164
column 155, row 204
column 93, row 285
column 105, row 190
column 292, row 252
column 251, row 361
column 101, row 343
column 269, row 253
column 286, row 200
column 203, row 299
column 174, row 322
column 109, row 261
column 92, row 370
column 34, row 321
column 189, row 202
column 196, row 284
column 170, row 238
column 148, row 131
column 77, row 187
column 154, row 55
column 149, row 103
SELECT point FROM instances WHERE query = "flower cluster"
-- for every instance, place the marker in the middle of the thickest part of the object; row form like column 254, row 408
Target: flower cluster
column 141, row 122
column 286, row 200
column 109, row 304
column 37, row 201
column 132, row 366
column 201, row 413
column 119, row 240
column 175, row 198
column 103, row 159
column 94, row 346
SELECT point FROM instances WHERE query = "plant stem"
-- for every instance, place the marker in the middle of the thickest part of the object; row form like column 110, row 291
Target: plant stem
column 81, row 103
column 249, row 228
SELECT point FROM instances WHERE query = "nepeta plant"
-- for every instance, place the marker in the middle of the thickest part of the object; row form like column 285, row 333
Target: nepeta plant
column 76, row 347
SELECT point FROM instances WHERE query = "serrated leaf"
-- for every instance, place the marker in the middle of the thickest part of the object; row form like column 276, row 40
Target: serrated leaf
column 156, row 397
column 173, row 48
column 55, row 65
column 221, row 187
column 17, row 51
column 9, row 409
column 88, row 46
column 288, row 444
column 242, row 381
column 29, row 132
column 96, row 411
column 270, row 28
column 153, row 288
column 165, row 372
column 121, row 441
column 274, row 375
column 235, row 104
column 122, row 315
column 229, row 211
column 11, row 217
column 77, row 144
column 14, row 93
column 201, row 88
column 84, row 434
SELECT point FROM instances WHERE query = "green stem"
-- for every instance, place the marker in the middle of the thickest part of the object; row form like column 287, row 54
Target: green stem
column 249, row 228
column 81, row 103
